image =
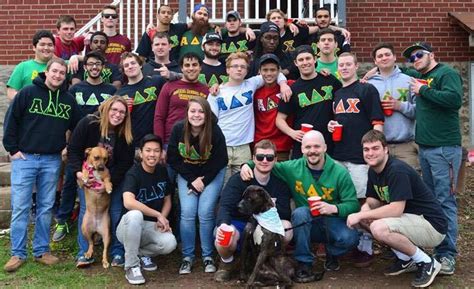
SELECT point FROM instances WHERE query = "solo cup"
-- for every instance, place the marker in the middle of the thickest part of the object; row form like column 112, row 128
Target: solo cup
column 337, row 133
column 227, row 231
column 305, row 127
column 311, row 202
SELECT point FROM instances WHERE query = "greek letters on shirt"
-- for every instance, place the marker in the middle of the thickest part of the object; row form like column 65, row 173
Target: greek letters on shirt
column 241, row 46
column 92, row 101
column 146, row 195
column 288, row 46
column 193, row 157
column 105, row 75
column 236, row 102
column 325, row 193
column 56, row 110
column 174, row 41
column 194, row 41
column 350, row 108
column 383, row 193
column 214, row 79
column 34, row 74
column 316, row 97
column 267, row 105
column 150, row 95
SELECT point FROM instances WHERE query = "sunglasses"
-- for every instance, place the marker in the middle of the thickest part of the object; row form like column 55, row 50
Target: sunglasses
column 261, row 157
column 417, row 55
column 113, row 16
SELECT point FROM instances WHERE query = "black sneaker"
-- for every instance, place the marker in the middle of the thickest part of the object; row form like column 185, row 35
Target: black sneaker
column 225, row 271
column 400, row 267
column 304, row 273
column 426, row 273
column 332, row 263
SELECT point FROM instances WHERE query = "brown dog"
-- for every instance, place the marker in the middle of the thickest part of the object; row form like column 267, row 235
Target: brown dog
column 97, row 188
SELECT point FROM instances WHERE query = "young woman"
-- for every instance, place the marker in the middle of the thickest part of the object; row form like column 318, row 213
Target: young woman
column 110, row 128
column 197, row 151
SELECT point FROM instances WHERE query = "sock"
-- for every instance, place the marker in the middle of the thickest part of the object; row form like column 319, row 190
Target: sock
column 421, row 256
column 365, row 243
column 228, row 260
column 401, row 256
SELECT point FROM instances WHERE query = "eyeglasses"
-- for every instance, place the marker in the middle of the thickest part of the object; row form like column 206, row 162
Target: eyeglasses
column 417, row 55
column 236, row 66
column 113, row 16
column 118, row 111
column 269, row 157
column 92, row 64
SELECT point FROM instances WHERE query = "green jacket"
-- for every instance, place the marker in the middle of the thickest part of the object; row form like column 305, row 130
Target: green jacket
column 437, row 107
column 334, row 185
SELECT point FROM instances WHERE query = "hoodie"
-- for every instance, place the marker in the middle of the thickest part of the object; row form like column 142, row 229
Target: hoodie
column 400, row 126
column 39, row 118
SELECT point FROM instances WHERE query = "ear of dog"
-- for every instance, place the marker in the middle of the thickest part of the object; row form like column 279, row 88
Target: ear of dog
column 87, row 151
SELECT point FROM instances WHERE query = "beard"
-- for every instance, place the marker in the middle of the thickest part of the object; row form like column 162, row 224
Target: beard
column 200, row 27
column 210, row 55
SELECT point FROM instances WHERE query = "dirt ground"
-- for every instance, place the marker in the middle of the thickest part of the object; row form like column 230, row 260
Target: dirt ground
column 348, row 277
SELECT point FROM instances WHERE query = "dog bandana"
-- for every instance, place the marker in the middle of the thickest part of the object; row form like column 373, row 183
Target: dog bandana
column 271, row 221
column 97, row 182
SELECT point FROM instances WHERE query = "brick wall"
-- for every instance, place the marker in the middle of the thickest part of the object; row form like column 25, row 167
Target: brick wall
column 402, row 22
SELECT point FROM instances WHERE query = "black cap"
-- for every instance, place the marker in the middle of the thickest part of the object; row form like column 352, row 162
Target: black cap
column 303, row 49
column 211, row 36
column 269, row 57
column 268, row 27
column 417, row 45
column 234, row 14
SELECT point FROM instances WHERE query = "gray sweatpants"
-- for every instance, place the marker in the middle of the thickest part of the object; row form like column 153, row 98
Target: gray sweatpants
column 142, row 238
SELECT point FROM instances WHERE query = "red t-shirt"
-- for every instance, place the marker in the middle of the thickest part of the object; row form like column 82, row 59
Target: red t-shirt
column 65, row 51
column 172, row 103
column 118, row 44
column 266, row 109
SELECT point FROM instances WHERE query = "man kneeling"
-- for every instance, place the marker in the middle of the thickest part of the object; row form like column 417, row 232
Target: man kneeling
column 400, row 211
column 144, row 230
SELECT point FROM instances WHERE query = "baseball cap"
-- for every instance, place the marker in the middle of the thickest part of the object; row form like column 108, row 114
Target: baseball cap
column 269, row 57
column 303, row 49
column 415, row 46
column 234, row 14
column 199, row 6
column 268, row 27
column 211, row 36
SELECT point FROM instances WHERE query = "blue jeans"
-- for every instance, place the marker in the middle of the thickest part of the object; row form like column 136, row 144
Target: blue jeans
column 204, row 207
column 331, row 231
column 440, row 168
column 42, row 170
column 68, row 196
column 115, row 212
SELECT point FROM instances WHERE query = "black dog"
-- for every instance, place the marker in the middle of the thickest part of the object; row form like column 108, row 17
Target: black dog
column 272, row 266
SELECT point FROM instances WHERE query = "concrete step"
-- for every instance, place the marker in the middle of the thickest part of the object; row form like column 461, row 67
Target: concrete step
column 5, row 170
column 5, row 207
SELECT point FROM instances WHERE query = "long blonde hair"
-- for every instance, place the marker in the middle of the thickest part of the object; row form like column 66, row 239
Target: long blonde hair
column 205, row 137
column 123, row 129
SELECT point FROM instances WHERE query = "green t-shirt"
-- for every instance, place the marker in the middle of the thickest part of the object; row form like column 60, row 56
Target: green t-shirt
column 332, row 67
column 191, row 43
column 24, row 73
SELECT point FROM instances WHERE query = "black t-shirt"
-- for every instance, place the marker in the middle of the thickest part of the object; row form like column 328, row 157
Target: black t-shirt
column 233, row 44
column 289, row 42
column 149, row 67
column 149, row 188
column 110, row 73
column 357, row 107
column 342, row 45
column 89, row 97
column 175, row 33
column 211, row 74
column 311, row 102
column 145, row 93
column 400, row 182
column 231, row 195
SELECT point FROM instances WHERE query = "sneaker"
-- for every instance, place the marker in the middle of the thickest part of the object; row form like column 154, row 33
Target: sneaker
column 332, row 263
column 209, row 265
column 47, row 259
column 400, row 267
column 147, row 264
column 321, row 250
column 426, row 273
column 362, row 259
column 83, row 262
column 186, row 266
column 304, row 273
column 117, row 261
column 225, row 271
column 134, row 275
column 447, row 266
column 13, row 264
column 61, row 231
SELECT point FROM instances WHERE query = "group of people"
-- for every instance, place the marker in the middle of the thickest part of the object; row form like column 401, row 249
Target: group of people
column 207, row 111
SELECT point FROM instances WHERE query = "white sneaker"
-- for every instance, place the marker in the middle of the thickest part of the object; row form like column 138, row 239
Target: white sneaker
column 134, row 275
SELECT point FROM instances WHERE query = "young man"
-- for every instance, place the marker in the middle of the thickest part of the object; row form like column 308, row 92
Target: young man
column 394, row 91
column 400, row 211
column 26, row 71
column 192, row 39
column 323, row 20
column 118, row 43
column 35, row 135
column 213, row 70
column 265, row 106
column 233, row 38
column 233, row 106
column 327, row 46
column 141, row 93
column 161, row 63
column 311, row 103
column 264, row 158
column 110, row 73
column 144, row 228
column 439, row 98
column 66, row 45
column 317, row 174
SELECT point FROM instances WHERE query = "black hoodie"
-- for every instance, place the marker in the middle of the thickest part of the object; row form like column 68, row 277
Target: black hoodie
column 39, row 118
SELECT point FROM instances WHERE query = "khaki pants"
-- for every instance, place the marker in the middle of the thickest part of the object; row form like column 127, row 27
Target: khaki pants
column 407, row 152
column 238, row 155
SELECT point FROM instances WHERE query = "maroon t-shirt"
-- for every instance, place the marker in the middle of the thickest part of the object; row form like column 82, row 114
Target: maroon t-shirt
column 118, row 44
column 172, row 103
column 65, row 51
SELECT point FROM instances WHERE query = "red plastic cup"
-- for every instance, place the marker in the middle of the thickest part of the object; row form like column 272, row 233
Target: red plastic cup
column 305, row 127
column 337, row 133
column 388, row 111
column 130, row 108
column 422, row 81
column 311, row 202
column 227, row 231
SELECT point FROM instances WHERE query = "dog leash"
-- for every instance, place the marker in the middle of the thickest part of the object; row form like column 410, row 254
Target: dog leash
column 299, row 225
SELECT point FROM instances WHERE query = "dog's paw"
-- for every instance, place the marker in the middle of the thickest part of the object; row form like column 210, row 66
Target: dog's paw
column 88, row 255
column 105, row 264
column 108, row 188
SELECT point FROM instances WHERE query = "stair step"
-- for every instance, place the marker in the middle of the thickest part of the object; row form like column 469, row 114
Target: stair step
column 5, row 170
